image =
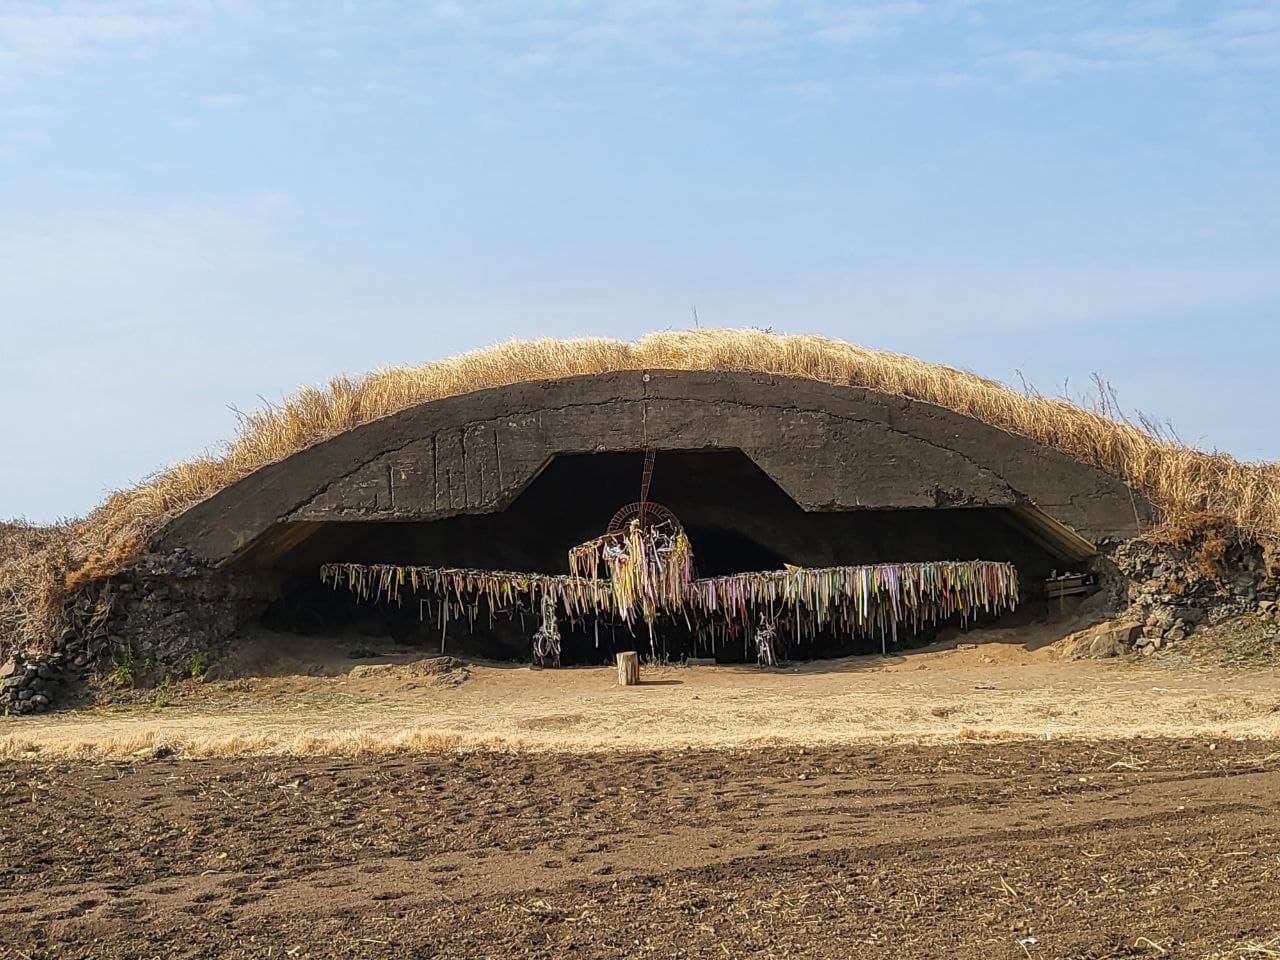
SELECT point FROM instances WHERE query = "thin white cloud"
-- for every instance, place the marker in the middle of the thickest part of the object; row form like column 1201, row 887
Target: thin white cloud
column 527, row 60
column 219, row 101
column 1235, row 39
column 559, row 35
column 25, row 112
column 168, row 246
column 970, row 40
column 1159, row 45
column 808, row 91
column 1040, row 64
column 40, row 38
column 28, row 136
column 494, row 40
column 860, row 22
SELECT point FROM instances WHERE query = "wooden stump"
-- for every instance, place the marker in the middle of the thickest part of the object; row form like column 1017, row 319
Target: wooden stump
column 628, row 669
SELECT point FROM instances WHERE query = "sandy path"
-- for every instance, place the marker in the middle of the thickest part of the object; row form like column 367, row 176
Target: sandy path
column 989, row 691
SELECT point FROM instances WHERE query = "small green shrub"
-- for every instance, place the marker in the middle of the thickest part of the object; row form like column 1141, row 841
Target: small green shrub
column 122, row 667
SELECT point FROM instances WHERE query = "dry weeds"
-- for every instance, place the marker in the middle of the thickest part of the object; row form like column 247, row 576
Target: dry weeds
column 1180, row 480
column 154, row 743
column 33, row 565
column 938, row 696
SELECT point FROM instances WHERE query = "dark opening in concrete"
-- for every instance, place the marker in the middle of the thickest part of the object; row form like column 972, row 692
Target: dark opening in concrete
column 736, row 517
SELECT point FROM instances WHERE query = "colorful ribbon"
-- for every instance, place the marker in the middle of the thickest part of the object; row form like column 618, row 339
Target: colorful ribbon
column 876, row 599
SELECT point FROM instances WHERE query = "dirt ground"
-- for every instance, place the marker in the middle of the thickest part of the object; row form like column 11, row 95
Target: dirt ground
column 1028, row 849
column 985, row 797
column 305, row 695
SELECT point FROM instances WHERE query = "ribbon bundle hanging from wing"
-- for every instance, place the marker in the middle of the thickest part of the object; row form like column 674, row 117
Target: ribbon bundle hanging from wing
column 643, row 586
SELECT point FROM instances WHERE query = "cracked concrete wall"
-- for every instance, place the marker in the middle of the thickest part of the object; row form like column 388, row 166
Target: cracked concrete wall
column 830, row 448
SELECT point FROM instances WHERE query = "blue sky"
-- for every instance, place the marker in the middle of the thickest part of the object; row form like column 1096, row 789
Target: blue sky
column 205, row 203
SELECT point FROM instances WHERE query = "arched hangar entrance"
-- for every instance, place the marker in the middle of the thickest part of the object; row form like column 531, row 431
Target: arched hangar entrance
column 763, row 472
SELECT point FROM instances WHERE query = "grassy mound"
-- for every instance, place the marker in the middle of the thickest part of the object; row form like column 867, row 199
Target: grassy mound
column 37, row 568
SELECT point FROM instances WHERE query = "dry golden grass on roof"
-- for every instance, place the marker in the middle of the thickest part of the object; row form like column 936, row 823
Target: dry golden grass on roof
column 1179, row 480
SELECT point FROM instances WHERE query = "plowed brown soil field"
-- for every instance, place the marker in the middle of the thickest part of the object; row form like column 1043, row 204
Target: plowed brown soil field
column 1150, row 848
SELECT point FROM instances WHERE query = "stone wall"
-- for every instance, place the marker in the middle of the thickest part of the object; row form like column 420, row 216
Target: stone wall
column 1206, row 577
column 166, row 616
column 170, row 608
column 32, row 685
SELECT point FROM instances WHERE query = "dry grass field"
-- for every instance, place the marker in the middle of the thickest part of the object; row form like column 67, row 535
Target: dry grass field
column 305, row 697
